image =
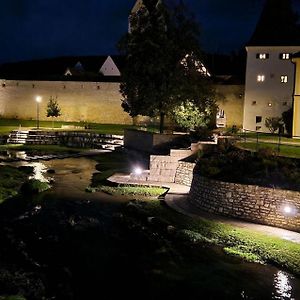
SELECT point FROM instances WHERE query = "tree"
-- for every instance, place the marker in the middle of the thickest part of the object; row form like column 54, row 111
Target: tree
column 53, row 109
column 273, row 124
column 163, row 68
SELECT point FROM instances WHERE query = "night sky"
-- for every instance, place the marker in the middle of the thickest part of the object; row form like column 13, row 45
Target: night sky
column 42, row 28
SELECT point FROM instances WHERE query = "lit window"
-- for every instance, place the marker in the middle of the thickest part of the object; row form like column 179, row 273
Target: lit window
column 285, row 56
column 284, row 79
column 253, row 102
column 260, row 78
column 258, row 119
column 262, row 55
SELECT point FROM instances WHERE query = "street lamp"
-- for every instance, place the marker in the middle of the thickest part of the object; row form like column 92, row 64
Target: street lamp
column 38, row 100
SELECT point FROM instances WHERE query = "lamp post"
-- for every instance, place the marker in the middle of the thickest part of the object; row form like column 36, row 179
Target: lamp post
column 38, row 100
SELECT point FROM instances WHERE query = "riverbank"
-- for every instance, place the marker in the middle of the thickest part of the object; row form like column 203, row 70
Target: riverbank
column 69, row 244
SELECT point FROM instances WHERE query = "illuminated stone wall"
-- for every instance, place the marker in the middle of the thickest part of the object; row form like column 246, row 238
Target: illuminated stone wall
column 79, row 101
column 248, row 202
column 93, row 101
column 231, row 100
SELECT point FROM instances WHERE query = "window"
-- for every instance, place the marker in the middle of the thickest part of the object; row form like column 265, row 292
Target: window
column 262, row 56
column 260, row 78
column 270, row 104
column 221, row 113
column 284, row 103
column 258, row 119
column 257, row 127
column 253, row 102
column 283, row 78
column 284, row 56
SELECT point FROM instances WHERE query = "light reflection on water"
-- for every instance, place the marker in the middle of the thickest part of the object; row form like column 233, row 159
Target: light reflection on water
column 39, row 171
column 282, row 285
column 39, row 168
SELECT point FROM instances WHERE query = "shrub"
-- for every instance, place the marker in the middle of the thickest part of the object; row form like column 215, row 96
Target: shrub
column 273, row 124
column 34, row 186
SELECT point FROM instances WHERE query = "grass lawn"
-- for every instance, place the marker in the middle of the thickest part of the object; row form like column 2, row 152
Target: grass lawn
column 247, row 244
column 285, row 150
column 269, row 137
column 7, row 125
column 130, row 190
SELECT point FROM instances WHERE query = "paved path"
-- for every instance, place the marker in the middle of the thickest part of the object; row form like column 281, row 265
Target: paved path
column 180, row 203
column 177, row 199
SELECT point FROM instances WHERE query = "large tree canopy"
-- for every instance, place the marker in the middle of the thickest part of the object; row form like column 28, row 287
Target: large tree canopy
column 163, row 62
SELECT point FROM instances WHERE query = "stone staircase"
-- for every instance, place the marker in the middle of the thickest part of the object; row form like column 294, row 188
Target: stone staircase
column 18, row 137
column 68, row 138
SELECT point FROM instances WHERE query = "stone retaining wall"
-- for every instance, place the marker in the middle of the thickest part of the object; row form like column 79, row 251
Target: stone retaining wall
column 248, row 202
column 150, row 142
column 79, row 139
column 165, row 168
column 184, row 173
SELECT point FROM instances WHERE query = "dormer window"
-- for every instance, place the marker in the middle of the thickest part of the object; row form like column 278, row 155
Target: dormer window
column 262, row 56
column 284, row 56
column 260, row 78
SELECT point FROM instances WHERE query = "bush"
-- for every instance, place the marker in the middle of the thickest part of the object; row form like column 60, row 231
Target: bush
column 273, row 124
column 34, row 186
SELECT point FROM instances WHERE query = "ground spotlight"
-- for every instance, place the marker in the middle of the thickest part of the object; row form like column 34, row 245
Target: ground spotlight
column 137, row 171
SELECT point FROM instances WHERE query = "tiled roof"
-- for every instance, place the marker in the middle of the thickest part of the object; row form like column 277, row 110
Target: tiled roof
column 55, row 68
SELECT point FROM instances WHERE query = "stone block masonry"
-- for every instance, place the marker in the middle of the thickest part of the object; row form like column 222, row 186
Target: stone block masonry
column 98, row 102
column 170, row 168
column 184, row 173
column 263, row 205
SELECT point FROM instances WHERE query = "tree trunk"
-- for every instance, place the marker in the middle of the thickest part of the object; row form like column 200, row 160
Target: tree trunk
column 161, row 123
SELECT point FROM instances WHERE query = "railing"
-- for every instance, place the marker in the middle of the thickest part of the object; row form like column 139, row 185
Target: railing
column 278, row 142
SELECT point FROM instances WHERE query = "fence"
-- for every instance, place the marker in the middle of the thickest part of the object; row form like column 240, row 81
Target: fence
column 280, row 143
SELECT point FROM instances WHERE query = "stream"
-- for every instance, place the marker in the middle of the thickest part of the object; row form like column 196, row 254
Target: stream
column 83, row 250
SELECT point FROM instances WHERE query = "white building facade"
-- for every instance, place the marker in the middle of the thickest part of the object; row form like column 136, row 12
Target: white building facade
column 270, row 78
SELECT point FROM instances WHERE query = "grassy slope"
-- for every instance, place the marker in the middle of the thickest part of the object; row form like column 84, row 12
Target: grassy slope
column 288, row 151
column 248, row 244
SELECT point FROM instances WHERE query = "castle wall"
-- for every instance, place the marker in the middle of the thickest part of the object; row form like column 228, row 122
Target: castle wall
column 231, row 100
column 79, row 101
column 98, row 102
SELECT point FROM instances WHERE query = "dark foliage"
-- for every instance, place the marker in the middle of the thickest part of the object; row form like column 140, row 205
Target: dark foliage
column 261, row 168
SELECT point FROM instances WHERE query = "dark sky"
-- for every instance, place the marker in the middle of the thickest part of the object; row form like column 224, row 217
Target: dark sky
column 46, row 28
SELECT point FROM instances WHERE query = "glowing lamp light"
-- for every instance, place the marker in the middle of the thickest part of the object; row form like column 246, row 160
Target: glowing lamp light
column 38, row 99
column 287, row 209
column 138, row 171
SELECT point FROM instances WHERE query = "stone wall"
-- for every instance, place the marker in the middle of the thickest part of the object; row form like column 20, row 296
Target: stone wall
column 184, row 173
column 98, row 102
column 92, row 101
column 80, row 139
column 248, row 202
column 165, row 168
column 150, row 142
column 232, row 102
